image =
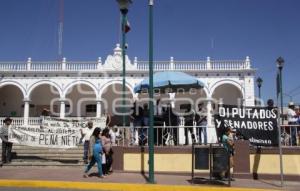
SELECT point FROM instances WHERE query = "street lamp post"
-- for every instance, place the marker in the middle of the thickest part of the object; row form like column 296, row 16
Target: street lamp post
column 124, row 4
column 259, row 82
column 280, row 63
column 151, row 130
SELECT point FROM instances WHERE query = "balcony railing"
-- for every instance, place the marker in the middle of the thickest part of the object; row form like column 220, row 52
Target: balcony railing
column 138, row 65
column 166, row 135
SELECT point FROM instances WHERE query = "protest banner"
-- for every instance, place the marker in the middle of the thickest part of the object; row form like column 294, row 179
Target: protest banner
column 256, row 124
column 53, row 132
column 60, row 137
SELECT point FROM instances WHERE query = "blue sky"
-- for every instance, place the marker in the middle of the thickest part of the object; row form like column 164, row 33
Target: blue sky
column 261, row 29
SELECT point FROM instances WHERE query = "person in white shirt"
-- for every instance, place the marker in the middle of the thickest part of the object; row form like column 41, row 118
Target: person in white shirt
column 87, row 133
column 6, row 146
column 292, row 120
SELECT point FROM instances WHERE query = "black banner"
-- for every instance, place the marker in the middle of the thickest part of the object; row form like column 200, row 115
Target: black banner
column 256, row 124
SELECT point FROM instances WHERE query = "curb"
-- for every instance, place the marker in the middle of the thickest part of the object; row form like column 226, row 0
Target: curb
column 112, row 186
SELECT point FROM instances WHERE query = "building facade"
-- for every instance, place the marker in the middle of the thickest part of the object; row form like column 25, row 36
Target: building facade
column 88, row 89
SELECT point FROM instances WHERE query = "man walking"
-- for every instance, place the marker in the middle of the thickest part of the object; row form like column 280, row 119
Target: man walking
column 6, row 146
column 86, row 133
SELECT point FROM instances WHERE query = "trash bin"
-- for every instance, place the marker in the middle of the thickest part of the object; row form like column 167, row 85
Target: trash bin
column 201, row 158
column 220, row 160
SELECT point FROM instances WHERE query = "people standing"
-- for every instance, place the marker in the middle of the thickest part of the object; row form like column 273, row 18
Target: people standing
column 189, row 123
column 228, row 143
column 6, row 145
column 108, row 152
column 86, row 133
column 108, row 119
column 95, row 153
column 202, row 128
column 135, row 121
column 145, row 123
column 292, row 120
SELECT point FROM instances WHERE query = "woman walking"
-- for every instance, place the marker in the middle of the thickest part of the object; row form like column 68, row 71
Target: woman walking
column 107, row 148
column 95, row 153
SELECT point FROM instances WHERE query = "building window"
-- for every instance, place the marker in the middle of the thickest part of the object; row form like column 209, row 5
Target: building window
column 90, row 108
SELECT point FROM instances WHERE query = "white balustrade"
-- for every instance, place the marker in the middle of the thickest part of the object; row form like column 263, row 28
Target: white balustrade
column 74, row 66
column 34, row 120
column 188, row 65
column 45, row 66
column 228, row 65
column 12, row 66
column 15, row 120
column 139, row 65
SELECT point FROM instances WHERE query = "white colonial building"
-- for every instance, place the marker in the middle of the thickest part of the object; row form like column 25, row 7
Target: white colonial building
column 85, row 89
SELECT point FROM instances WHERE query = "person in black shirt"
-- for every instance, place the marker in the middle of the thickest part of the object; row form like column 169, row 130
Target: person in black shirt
column 189, row 123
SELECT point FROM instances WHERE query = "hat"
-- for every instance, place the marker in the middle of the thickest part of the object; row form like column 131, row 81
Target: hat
column 7, row 119
column 291, row 104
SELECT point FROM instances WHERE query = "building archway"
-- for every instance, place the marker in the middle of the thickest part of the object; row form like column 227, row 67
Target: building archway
column 11, row 105
column 78, row 84
column 228, row 94
column 112, row 101
column 44, row 96
column 195, row 97
column 80, row 100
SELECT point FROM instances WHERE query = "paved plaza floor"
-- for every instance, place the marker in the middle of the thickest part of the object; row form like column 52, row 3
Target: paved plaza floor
column 72, row 178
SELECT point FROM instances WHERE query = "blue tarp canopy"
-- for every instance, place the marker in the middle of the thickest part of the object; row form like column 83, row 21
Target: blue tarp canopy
column 170, row 80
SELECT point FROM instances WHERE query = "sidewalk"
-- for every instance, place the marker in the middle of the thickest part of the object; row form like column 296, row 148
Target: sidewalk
column 72, row 178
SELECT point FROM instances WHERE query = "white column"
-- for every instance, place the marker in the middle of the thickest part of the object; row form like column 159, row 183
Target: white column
column 247, row 63
column 135, row 62
column 63, row 64
column 172, row 63
column 62, row 108
column 98, row 111
column 99, row 63
column 26, row 111
column 29, row 63
column 211, row 130
column 208, row 64
column 249, row 94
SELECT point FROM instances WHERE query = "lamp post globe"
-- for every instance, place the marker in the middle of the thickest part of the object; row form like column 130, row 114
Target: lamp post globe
column 280, row 63
column 124, row 4
column 259, row 82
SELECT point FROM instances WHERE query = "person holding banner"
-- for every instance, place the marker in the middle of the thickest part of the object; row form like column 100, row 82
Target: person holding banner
column 228, row 143
column 95, row 153
column 6, row 146
column 86, row 133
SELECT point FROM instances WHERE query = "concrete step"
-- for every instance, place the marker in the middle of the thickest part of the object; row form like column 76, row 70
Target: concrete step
column 47, row 152
column 41, row 163
column 49, row 155
column 45, row 157
column 21, row 147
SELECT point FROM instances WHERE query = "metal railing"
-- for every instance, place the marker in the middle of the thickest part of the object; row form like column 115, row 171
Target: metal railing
column 163, row 135
column 290, row 135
